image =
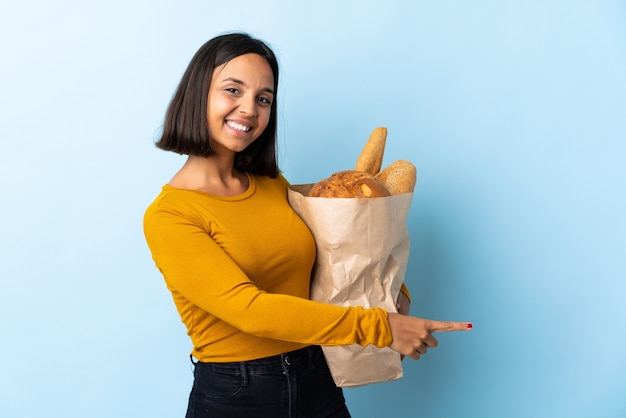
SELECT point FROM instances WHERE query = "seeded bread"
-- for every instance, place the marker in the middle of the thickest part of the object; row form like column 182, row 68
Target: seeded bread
column 398, row 177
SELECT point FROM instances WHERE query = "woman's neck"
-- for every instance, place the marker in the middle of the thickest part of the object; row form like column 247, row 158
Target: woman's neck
column 211, row 175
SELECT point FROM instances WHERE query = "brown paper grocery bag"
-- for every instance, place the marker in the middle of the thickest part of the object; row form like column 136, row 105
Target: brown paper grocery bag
column 362, row 254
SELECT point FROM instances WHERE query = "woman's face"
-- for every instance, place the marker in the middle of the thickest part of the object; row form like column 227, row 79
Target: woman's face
column 240, row 102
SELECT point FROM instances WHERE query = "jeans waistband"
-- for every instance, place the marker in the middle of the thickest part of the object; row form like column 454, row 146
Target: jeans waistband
column 275, row 364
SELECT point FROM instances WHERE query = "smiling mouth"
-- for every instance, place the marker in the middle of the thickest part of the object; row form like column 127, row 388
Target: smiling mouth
column 237, row 126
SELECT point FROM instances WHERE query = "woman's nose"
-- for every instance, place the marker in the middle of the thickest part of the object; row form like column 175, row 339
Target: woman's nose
column 247, row 106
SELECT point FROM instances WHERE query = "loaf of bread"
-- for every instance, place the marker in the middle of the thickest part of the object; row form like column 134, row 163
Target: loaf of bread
column 350, row 184
column 398, row 177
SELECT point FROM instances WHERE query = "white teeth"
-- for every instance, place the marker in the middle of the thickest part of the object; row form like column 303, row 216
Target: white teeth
column 238, row 126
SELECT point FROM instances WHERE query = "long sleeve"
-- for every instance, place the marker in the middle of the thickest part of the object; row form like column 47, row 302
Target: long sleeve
column 239, row 271
column 405, row 291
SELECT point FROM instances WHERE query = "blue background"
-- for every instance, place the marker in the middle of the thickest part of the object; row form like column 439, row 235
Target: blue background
column 513, row 112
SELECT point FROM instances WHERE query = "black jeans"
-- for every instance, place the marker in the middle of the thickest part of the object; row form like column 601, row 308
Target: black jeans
column 291, row 385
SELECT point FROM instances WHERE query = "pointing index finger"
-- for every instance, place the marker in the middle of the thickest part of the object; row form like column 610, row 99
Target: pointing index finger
column 447, row 326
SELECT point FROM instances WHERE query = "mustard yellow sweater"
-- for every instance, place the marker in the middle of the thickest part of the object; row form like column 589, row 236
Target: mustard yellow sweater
column 239, row 269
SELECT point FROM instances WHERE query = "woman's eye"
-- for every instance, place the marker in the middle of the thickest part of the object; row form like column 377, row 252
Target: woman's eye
column 265, row 100
column 232, row 90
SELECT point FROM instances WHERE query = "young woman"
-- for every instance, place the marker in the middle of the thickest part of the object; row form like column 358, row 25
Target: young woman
column 238, row 260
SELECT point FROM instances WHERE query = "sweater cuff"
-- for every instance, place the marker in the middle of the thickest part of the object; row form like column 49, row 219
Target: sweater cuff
column 405, row 291
column 385, row 337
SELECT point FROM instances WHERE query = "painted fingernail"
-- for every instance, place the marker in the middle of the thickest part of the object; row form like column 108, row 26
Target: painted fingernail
column 469, row 325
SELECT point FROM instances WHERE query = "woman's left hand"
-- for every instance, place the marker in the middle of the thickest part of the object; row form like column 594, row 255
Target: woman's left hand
column 403, row 304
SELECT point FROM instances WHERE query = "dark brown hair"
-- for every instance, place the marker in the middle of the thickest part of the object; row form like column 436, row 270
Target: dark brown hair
column 185, row 129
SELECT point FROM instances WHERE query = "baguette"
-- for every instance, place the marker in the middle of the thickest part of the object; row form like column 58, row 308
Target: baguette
column 371, row 158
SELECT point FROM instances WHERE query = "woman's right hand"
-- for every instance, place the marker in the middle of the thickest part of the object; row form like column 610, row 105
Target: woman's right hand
column 413, row 336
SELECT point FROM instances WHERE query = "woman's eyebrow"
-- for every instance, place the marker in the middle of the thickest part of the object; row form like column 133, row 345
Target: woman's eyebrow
column 240, row 82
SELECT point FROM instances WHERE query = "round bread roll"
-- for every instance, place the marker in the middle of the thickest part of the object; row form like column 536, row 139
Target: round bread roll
column 349, row 183
column 398, row 177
